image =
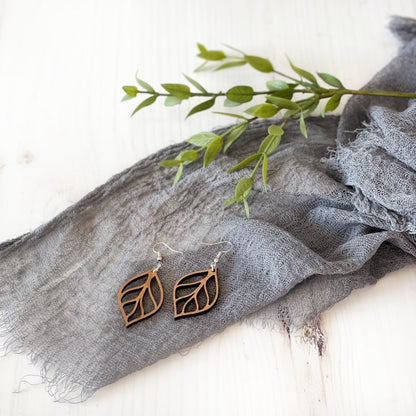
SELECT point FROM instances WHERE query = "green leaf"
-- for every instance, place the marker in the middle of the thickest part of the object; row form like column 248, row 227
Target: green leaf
column 212, row 151
column 263, row 110
column 264, row 172
column 233, row 48
column 230, row 65
column 196, row 84
column 307, row 103
column 144, row 85
column 302, row 125
column 283, row 102
column 229, row 103
column 288, row 93
column 332, row 103
column 212, row 55
column 331, row 80
column 266, row 143
column 202, row 139
column 170, row 162
column 178, row 174
column 311, row 108
column 246, row 208
column 228, row 201
column 261, row 64
column 201, row 47
column 234, row 135
column 304, row 74
column 289, row 113
column 126, row 98
column 130, row 90
column 245, row 162
column 252, row 109
column 230, row 115
column 187, row 156
column 201, row 67
column 178, row 90
column 285, row 93
column 148, row 101
column 201, row 107
column 311, row 86
column 243, row 189
column 269, row 144
column 275, row 130
column 171, row 100
column 277, row 85
column 240, row 94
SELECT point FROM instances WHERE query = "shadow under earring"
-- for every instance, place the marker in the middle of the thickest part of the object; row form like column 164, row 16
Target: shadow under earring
column 142, row 296
column 197, row 292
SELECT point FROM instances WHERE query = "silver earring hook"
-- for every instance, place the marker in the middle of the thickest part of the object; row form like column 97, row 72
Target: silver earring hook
column 159, row 254
column 217, row 259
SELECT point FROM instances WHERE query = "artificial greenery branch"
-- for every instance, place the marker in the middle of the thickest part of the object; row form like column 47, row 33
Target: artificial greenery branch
column 294, row 98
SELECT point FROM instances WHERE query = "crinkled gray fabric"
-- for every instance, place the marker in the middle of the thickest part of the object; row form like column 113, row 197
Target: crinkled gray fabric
column 331, row 221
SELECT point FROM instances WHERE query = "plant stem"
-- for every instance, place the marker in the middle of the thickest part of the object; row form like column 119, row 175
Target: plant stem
column 300, row 82
column 257, row 166
column 323, row 93
column 285, row 121
column 377, row 93
column 247, row 120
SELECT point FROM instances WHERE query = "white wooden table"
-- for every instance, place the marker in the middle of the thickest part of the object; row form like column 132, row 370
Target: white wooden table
column 63, row 131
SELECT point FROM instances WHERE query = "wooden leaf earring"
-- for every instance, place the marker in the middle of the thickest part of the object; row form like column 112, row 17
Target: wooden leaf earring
column 197, row 292
column 142, row 295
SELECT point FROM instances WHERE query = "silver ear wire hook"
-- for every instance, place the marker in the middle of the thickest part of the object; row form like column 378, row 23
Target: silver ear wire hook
column 159, row 254
column 217, row 259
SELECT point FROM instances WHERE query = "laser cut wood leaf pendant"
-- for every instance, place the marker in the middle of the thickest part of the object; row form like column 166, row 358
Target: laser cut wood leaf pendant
column 140, row 297
column 195, row 293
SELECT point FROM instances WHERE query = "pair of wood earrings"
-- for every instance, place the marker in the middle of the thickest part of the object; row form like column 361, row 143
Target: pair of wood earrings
column 193, row 294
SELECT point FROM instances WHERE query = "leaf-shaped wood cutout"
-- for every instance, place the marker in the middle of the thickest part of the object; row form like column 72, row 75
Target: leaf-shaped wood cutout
column 191, row 294
column 137, row 297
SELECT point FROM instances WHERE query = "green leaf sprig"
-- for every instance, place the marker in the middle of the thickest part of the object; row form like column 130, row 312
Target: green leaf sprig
column 294, row 97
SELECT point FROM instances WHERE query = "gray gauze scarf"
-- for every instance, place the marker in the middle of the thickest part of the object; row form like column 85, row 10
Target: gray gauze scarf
column 339, row 214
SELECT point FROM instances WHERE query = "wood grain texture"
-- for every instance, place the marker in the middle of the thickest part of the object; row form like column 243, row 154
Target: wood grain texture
column 63, row 131
column 195, row 293
column 134, row 293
